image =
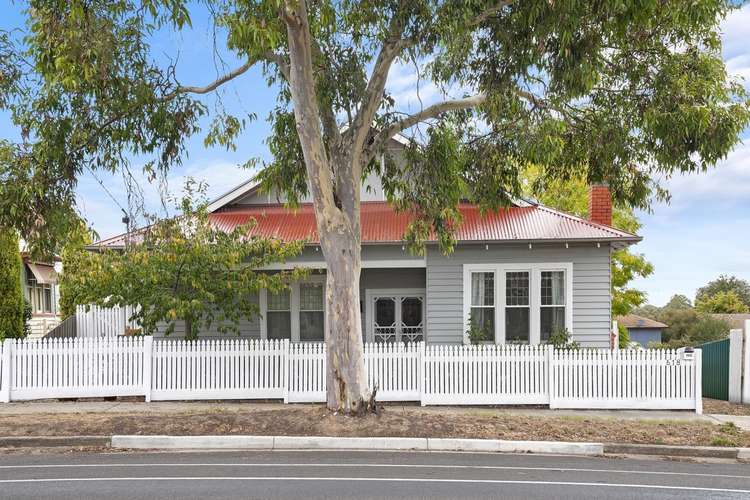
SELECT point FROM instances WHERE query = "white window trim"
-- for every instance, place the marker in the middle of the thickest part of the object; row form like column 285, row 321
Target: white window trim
column 371, row 293
column 535, row 270
column 295, row 310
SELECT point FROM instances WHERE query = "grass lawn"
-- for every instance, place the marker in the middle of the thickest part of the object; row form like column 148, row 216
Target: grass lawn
column 393, row 421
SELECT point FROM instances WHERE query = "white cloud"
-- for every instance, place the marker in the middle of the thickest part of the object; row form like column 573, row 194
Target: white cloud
column 728, row 182
column 736, row 32
column 739, row 67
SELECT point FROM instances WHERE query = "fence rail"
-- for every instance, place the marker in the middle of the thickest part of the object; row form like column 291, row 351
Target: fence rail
column 277, row 369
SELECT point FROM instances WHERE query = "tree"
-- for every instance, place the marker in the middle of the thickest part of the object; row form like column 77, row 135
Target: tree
column 572, row 196
column 724, row 283
column 182, row 269
column 12, row 323
column 74, row 260
column 727, row 302
column 678, row 302
column 624, row 92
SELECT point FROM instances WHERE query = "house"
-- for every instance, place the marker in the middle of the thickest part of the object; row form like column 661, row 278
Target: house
column 520, row 272
column 735, row 321
column 41, row 291
column 642, row 330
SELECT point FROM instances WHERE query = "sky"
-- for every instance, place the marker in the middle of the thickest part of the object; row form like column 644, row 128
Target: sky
column 703, row 232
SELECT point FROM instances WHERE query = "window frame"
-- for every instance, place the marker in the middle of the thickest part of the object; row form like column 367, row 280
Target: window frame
column 322, row 285
column 535, row 272
column 566, row 296
column 294, row 303
column 468, row 306
column 505, row 306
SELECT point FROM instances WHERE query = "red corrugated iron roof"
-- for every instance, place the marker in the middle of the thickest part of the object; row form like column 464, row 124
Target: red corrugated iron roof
column 382, row 224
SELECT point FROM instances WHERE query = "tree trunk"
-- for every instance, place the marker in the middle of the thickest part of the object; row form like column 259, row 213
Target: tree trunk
column 336, row 195
column 346, row 377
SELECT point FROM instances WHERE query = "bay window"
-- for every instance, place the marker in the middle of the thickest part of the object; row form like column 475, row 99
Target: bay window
column 519, row 303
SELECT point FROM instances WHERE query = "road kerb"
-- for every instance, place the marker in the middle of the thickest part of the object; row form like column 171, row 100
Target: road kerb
column 502, row 446
column 53, row 441
column 348, row 443
column 671, row 450
column 193, row 442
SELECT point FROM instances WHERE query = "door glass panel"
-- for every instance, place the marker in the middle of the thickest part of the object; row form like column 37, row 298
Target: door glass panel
column 385, row 319
column 411, row 319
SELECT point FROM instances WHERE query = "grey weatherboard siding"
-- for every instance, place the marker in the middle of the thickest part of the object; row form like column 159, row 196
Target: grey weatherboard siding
column 443, row 281
column 591, row 286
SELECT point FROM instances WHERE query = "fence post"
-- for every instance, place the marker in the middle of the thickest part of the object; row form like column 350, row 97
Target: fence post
column 148, row 355
column 735, row 366
column 746, row 364
column 698, row 381
column 7, row 357
column 422, row 371
column 285, row 373
column 551, row 376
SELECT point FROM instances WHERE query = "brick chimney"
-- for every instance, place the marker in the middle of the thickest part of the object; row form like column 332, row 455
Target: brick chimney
column 600, row 204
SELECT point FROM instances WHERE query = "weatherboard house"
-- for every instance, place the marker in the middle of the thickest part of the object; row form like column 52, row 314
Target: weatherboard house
column 521, row 272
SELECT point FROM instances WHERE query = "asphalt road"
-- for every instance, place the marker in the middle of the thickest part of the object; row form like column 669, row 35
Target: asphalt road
column 308, row 475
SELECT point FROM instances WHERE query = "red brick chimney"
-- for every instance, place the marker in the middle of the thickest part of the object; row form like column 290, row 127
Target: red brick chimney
column 600, row 204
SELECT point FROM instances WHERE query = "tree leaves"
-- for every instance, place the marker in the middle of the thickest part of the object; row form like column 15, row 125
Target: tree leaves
column 182, row 269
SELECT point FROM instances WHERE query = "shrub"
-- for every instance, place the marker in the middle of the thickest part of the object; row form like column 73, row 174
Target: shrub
column 623, row 337
column 11, row 291
column 477, row 334
column 562, row 339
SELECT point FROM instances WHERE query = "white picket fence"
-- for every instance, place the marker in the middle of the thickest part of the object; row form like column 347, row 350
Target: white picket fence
column 276, row 369
column 97, row 322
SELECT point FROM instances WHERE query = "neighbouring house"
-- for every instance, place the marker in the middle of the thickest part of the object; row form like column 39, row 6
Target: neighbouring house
column 520, row 272
column 735, row 321
column 642, row 330
column 42, row 292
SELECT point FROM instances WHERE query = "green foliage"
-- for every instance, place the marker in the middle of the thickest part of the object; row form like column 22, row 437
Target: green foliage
column 28, row 313
column 724, row 283
column 623, row 337
column 11, row 291
column 688, row 327
column 183, row 269
column 562, row 339
column 572, row 196
column 678, row 302
column 626, row 92
column 727, row 302
column 476, row 333
column 75, row 260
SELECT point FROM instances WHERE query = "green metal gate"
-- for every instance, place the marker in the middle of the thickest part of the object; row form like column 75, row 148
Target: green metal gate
column 715, row 369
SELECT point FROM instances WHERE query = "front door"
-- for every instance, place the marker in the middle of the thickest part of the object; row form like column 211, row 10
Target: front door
column 395, row 317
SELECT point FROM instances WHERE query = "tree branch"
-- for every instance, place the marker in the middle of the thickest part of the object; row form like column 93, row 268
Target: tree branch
column 213, row 85
column 428, row 113
column 373, row 95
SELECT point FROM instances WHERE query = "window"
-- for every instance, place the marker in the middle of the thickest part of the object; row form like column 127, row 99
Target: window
column 297, row 314
column 482, row 312
column 517, row 307
column 279, row 316
column 552, row 306
column 311, row 312
column 519, row 302
column 40, row 296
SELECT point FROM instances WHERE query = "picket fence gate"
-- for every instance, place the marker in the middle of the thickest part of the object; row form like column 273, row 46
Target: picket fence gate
column 296, row 372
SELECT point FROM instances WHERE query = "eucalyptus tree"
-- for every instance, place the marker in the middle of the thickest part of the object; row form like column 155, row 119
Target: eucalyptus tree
column 626, row 92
